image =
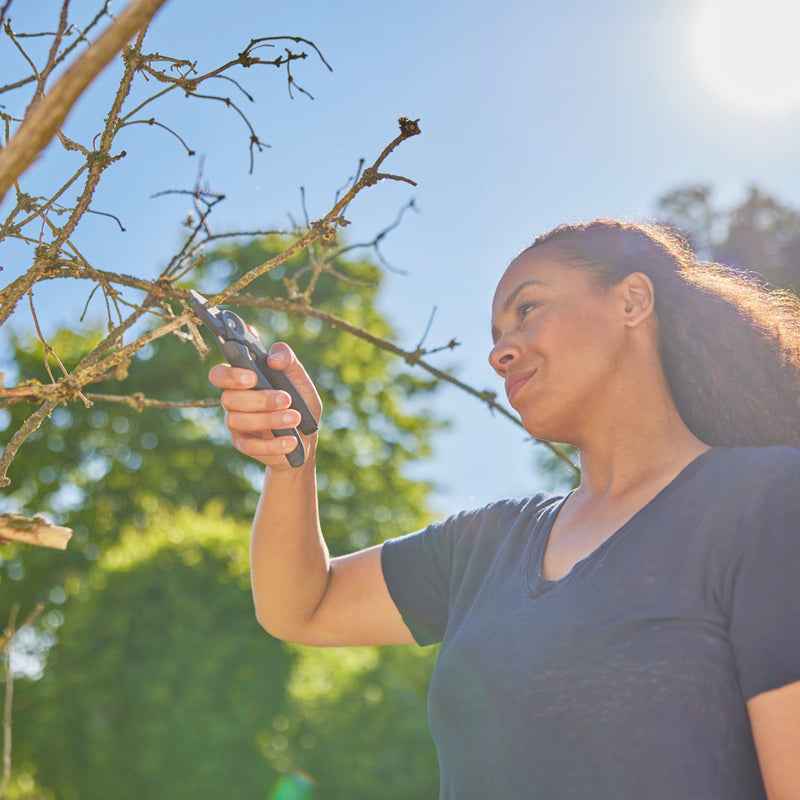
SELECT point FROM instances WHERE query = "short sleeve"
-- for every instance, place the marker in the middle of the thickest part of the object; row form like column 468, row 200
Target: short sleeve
column 417, row 570
column 765, row 599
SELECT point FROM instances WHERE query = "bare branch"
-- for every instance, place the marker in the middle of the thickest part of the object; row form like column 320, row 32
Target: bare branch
column 53, row 55
column 110, row 358
column 5, row 650
column 47, row 116
column 138, row 401
column 47, row 255
column 9, row 697
column 413, row 358
column 81, row 37
column 326, row 227
column 4, row 11
column 152, row 121
column 16, row 441
column 33, row 530
column 375, row 243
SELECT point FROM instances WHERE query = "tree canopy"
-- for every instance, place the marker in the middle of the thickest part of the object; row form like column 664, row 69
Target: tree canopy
column 157, row 674
column 760, row 234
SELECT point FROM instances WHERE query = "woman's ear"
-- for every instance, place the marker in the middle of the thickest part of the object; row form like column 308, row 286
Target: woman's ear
column 638, row 294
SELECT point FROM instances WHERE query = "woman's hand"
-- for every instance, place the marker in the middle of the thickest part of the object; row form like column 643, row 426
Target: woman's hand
column 251, row 416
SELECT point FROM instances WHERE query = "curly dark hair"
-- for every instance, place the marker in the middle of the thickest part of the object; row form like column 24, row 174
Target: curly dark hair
column 729, row 344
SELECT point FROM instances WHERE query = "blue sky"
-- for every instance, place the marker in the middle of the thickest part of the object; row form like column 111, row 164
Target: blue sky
column 532, row 114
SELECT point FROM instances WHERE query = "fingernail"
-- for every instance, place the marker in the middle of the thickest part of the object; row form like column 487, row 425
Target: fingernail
column 247, row 379
column 278, row 356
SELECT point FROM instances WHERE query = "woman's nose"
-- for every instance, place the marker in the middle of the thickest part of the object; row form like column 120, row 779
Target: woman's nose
column 501, row 357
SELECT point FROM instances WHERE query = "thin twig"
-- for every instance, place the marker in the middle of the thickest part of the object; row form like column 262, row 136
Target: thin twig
column 9, row 697
column 25, row 430
column 51, row 58
column 5, row 650
column 326, row 227
column 138, row 401
column 44, row 120
column 4, row 11
column 81, row 37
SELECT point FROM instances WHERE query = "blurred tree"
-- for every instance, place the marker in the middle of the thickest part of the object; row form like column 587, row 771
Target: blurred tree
column 294, row 786
column 161, row 680
column 761, row 234
column 118, row 467
column 366, row 706
column 560, row 477
column 163, row 685
column 135, row 614
column 116, row 463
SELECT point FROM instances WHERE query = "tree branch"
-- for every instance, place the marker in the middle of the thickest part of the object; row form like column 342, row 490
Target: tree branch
column 45, row 118
column 33, row 530
column 5, row 650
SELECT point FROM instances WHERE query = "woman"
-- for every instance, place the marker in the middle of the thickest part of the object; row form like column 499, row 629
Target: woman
column 639, row 638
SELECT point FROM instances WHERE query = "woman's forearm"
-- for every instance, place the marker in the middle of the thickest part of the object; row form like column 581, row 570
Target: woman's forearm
column 289, row 559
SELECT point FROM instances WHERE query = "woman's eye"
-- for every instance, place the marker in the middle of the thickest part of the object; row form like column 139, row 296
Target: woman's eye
column 523, row 309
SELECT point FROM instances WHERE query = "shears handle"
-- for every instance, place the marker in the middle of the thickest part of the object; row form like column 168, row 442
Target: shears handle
column 241, row 345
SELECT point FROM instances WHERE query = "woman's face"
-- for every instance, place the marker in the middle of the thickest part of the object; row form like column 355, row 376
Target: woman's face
column 558, row 340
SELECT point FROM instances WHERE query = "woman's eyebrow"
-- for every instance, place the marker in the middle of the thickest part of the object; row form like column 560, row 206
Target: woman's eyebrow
column 513, row 296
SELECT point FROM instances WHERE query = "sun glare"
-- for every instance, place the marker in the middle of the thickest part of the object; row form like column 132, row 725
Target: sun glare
column 746, row 52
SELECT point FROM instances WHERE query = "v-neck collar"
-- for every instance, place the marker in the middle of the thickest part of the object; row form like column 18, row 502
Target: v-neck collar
column 537, row 585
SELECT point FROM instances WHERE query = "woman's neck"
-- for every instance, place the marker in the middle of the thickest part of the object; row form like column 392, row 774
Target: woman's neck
column 636, row 452
column 639, row 437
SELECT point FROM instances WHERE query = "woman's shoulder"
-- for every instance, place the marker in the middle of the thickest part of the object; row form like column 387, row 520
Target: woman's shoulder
column 495, row 520
column 509, row 507
column 757, row 463
column 739, row 482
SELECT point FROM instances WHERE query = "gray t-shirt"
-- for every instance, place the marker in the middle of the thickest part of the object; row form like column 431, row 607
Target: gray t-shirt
column 627, row 679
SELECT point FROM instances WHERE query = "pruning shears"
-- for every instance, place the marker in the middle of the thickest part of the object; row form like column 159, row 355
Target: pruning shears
column 241, row 345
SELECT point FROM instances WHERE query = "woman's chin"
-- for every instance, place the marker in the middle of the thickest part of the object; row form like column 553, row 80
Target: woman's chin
column 545, row 429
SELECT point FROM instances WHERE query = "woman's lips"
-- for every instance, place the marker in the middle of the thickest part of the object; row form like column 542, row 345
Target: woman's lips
column 515, row 382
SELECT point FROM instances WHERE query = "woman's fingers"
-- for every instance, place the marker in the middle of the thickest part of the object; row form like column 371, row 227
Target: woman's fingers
column 224, row 376
column 255, row 401
column 254, row 422
column 270, row 451
column 282, row 357
column 252, row 415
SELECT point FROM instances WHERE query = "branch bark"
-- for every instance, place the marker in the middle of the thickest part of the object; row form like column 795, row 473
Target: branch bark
column 5, row 651
column 9, row 699
column 45, row 118
column 33, row 530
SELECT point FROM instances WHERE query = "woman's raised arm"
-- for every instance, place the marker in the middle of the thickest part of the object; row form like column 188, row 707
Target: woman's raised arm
column 301, row 594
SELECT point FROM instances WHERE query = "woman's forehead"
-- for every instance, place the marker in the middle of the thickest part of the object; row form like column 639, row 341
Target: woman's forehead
column 528, row 267
column 540, row 269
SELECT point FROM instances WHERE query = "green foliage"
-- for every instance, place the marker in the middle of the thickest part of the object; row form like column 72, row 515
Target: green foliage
column 374, row 421
column 162, row 685
column 100, row 469
column 365, row 707
column 561, row 477
column 761, row 234
column 161, row 682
